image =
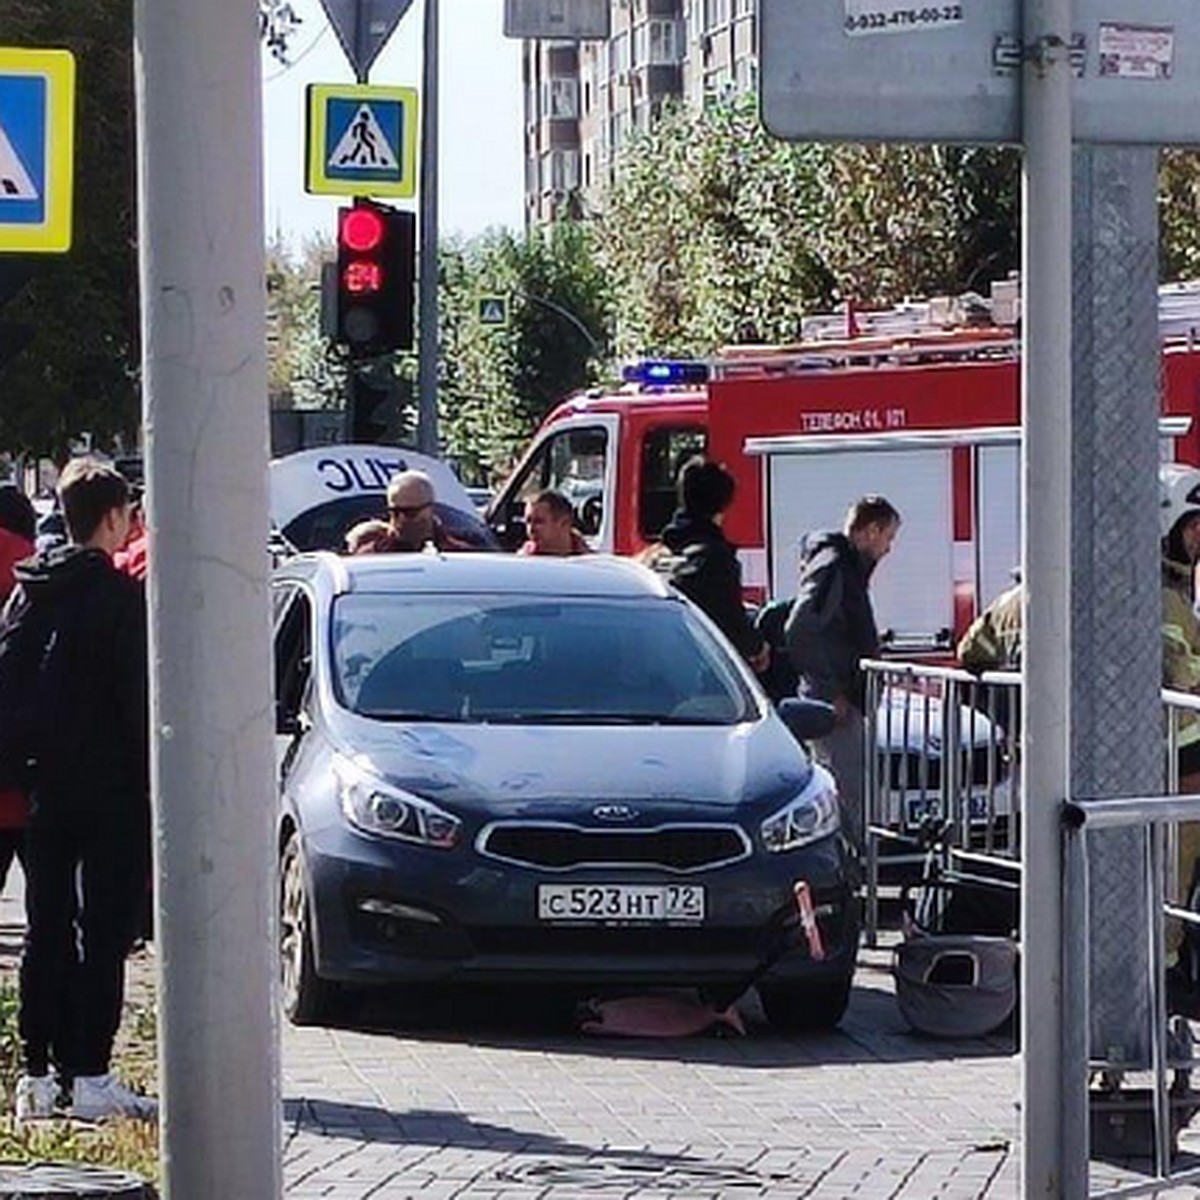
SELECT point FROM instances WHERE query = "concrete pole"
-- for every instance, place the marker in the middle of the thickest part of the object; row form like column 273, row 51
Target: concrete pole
column 1046, row 487
column 428, row 438
column 205, row 385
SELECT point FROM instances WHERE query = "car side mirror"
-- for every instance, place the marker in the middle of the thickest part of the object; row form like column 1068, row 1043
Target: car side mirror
column 807, row 718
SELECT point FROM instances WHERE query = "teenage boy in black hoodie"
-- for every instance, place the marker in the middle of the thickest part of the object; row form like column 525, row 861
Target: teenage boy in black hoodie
column 74, row 636
column 830, row 628
column 705, row 566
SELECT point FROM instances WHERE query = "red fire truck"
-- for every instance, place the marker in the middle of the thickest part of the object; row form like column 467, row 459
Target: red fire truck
column 919, row 403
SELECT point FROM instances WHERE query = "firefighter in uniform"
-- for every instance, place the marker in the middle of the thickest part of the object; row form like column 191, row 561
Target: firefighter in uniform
column 1179, row 524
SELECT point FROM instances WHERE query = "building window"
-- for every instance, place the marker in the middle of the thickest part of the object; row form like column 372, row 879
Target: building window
column 560, row 99
column 716, row 13
column 620, row 53
column 560, row 171
column 745, row 8
column 745, row 75
column 664, row 43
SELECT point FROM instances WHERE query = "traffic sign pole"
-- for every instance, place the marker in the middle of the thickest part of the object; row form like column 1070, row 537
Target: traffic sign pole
column 428, row 438
column 1048, row 1088
column 201, row 243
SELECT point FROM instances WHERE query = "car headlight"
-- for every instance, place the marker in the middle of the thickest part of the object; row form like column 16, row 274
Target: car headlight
column 812, row 815
column 378, row 808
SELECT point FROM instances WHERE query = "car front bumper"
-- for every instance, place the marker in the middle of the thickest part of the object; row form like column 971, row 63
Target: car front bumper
column 385, row 913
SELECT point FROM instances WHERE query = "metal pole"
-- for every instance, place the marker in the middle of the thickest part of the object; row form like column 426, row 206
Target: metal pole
column 428, row 439
column 362, row 15
column 1046, row 475
column 204, row 377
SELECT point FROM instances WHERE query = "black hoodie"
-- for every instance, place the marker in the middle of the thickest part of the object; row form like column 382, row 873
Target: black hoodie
column 832, row 624
column 708, row 573
column 84, row 702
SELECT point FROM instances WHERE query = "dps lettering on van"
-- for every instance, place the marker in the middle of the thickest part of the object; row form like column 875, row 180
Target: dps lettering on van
column 906, row 403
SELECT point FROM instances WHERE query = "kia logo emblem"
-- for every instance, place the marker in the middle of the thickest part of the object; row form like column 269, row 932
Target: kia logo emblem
column 614, row 812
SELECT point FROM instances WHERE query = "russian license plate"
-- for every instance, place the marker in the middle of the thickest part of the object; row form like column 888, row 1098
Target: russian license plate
column 620, row 903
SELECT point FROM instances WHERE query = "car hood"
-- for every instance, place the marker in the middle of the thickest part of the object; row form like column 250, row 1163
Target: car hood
column 510, row 770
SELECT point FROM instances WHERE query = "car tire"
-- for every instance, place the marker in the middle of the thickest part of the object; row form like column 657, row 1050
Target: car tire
column 802, row 1007
column 307, row 998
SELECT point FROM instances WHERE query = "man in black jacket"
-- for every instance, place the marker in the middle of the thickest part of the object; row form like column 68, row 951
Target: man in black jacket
column 831, row 627
column 704, row 565
column 73, row 670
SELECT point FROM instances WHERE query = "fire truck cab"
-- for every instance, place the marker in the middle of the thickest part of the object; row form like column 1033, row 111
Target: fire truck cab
column 919, row 403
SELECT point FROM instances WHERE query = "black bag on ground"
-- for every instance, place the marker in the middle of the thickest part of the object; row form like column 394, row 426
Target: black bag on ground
column 956, row 970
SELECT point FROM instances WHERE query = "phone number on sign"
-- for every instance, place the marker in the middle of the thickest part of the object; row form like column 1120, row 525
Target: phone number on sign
column 892, row 20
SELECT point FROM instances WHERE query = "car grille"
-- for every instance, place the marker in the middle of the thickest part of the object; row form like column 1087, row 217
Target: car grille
column 564, row 847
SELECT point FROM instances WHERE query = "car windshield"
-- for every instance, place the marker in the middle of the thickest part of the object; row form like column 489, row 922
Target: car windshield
column 510, row 660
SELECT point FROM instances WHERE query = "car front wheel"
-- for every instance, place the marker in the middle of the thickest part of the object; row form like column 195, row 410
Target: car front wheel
column 307, row 998
column 800, row 1007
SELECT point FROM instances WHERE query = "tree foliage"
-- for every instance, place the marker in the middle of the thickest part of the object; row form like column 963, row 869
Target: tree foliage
column 716, row 232
column 79, row 370
column 497, row 383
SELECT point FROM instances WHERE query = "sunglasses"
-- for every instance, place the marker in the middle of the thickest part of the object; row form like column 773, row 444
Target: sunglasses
column 408, row 510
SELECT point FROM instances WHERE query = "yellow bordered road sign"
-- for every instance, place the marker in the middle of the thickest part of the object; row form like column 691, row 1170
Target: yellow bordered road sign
column 37, row 149
column 361, row 140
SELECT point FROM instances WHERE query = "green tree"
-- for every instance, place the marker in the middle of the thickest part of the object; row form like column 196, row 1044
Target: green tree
column 498, row 383
column 716, row 232
column 303, row 371
column 79, row 372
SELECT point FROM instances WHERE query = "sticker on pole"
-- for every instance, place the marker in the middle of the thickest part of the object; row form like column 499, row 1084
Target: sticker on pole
column 1135, row 51
column 867, row 17
column 362, row 140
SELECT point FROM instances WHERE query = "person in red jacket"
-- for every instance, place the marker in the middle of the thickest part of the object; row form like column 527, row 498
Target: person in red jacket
column 550, row 523
column 131, row 558
column 18, row 525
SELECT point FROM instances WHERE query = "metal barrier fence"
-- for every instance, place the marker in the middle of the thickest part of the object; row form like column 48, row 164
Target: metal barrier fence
column 942, row 778
column 942, row 772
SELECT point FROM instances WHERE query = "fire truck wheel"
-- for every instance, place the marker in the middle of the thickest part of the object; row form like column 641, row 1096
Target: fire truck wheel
column 806, row 1006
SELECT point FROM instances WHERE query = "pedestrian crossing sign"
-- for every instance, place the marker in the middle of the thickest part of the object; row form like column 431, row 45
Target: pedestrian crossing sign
column 37, row 144
column 362, row 140
column 493, row 311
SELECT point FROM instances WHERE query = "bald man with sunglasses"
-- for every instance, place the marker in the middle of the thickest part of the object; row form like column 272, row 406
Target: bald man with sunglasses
column 412, row 515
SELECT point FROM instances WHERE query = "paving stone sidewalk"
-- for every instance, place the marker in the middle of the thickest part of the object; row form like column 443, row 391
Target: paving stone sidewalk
column 494, row 1099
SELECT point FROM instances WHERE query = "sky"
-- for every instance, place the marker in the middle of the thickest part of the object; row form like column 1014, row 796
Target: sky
column 480, row 127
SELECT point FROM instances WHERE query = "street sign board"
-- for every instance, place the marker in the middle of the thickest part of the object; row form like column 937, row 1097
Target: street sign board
column 559, row 20
column 37, row 146
column 886, row 70
column 493, row 311
column 361, row 140
column 378, row 18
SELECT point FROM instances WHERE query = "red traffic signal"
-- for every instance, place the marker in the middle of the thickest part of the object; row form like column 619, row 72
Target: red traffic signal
column 376, row 272
column 361, row 230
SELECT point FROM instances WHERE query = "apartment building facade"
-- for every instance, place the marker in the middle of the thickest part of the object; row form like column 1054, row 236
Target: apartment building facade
column 585, row 100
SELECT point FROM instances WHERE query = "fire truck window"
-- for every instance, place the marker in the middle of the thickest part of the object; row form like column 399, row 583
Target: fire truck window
column 664, row 451
column 572, row 462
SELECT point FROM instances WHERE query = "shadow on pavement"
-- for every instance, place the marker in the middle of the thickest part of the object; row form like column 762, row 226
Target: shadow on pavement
column 537, row 1020
column 546, row 1159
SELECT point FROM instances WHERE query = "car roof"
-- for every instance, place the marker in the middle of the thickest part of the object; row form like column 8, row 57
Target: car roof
column 584, row 575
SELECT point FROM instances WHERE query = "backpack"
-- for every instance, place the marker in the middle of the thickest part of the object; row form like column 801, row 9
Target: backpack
column 34, row 690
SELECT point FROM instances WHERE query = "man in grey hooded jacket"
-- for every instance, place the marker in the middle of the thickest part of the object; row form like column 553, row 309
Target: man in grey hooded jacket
column 831, row 628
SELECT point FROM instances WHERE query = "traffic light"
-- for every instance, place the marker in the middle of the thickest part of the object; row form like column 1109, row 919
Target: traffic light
column 371, row 404
column 375, row 277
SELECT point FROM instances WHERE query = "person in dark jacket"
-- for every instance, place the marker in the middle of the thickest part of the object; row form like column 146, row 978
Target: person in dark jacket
column 831, row 627
column 73, row 647
column 704, row 566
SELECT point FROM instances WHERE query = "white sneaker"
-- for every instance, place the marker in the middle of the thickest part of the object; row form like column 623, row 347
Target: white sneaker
column 35, row 1096
column 94, row 1097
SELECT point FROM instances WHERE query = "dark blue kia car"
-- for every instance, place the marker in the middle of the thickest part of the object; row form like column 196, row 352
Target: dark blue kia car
column 497, row 768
